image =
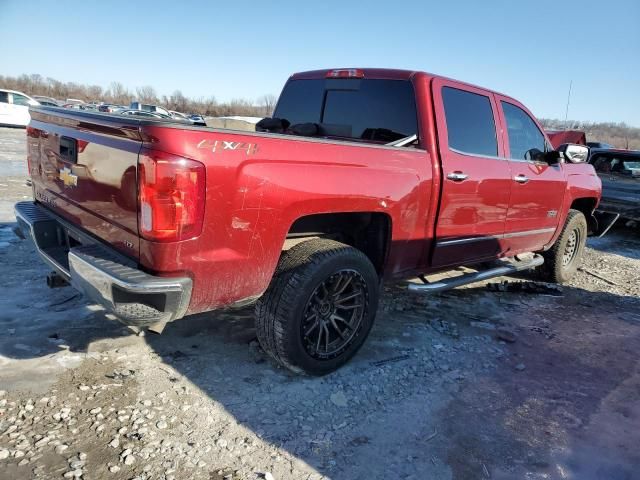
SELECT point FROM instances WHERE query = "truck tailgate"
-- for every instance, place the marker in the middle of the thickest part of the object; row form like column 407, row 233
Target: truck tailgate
column 84, row 169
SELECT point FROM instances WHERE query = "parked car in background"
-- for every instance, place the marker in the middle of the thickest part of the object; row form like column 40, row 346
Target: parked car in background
column 558, row 137
column 75, row 106
column 141, row 113
column 619, row 171
column 149, row 108
column 47, row 101
column 192, row 119
column 599, row 145
column 14, row 108
column 198, row 120
column 179, row 115
column 156, row 115
column 110, row 108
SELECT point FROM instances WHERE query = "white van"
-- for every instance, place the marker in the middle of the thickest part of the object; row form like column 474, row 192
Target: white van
column 14, row 108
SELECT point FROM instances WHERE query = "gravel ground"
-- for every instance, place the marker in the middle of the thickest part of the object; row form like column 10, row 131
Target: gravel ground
column 470, row 384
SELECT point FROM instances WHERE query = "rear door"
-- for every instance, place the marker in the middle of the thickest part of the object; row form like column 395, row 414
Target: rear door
column 476, row 177
column 20, row 108
column 538, row 188
column 11, row 113
column 4, row 107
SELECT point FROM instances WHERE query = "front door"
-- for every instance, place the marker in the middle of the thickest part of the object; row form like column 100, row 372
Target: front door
column 538, row 188
column 476, row 179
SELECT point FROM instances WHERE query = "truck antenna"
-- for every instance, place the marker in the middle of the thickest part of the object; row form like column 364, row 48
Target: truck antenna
column 566, row 112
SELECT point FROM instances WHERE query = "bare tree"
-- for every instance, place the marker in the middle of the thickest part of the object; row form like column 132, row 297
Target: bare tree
column 178, row 101
column 268, row 104
column 147, row 94
column 118, row 93
column 94, row 92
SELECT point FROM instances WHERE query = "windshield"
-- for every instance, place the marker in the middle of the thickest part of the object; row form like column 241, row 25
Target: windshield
column 372, row 110
column 615, row 163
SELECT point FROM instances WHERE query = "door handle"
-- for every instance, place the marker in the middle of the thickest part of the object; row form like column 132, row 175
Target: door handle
column 521, row 179
column 457, row 176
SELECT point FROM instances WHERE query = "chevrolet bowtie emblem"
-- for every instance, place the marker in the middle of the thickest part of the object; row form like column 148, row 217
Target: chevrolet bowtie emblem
column 68, row 178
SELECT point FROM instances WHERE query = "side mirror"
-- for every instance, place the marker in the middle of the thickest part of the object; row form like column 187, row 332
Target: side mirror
column 553, row 157
column 535, row 155
column 574, row 153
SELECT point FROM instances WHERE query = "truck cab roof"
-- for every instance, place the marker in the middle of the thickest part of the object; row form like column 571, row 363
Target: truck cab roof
column 383, row 74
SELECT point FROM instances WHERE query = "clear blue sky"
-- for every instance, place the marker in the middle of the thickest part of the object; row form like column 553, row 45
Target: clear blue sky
column 527, row 49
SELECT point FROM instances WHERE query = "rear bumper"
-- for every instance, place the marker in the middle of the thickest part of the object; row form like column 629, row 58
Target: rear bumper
column 101, row 273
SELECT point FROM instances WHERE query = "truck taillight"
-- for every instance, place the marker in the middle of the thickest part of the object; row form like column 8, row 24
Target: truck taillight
column 171, row 197
column 345, row 73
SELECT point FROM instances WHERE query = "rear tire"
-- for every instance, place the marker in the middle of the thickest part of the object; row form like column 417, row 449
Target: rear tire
column 319, row 307
column 562, row 260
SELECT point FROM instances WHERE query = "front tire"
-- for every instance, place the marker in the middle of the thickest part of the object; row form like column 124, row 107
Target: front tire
column 319, row 307
column 562, row 260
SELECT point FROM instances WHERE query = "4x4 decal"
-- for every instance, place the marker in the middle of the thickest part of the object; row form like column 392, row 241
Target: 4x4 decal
column 218, row 145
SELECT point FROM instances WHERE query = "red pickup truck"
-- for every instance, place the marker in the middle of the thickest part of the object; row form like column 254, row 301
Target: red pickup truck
column 363, row 175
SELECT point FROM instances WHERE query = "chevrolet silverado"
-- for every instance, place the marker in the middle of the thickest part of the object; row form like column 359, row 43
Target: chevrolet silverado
column 361, row 176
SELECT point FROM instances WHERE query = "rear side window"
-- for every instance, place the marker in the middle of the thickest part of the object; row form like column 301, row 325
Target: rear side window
column 375, row 110
column 4, row 97
column 471, row 127
column 20, row 100
column 524, row 135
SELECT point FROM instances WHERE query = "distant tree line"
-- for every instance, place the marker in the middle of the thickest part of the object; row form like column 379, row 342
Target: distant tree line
column 620, row 135
column 117, row 93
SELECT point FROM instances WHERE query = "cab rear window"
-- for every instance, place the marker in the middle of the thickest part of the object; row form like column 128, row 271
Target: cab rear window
column 363, row 109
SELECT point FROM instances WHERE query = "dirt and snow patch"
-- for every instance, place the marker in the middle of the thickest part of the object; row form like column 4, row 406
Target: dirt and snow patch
column 500, row 382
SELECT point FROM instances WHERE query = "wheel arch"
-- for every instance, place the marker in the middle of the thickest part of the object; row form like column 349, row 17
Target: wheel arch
column 586, row 205
column 369, row 232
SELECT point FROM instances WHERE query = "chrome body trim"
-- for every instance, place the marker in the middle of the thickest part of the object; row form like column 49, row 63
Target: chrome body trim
column 497, row 157
column 539, row 231
column 460, row 241
column 457, row 176
column 449, row 283
column 468, row 154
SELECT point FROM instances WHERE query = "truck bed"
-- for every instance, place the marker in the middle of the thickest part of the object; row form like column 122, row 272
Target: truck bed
column 257, row 186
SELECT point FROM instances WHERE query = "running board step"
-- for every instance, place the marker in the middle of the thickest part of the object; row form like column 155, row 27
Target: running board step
column 449, row 283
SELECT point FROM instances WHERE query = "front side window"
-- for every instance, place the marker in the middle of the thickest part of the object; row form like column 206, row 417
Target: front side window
column 4, row 97
column 471, row 127
column 20, row 100
column 526, row 141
